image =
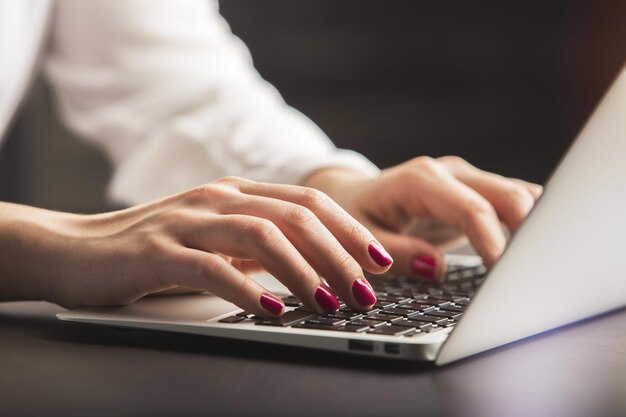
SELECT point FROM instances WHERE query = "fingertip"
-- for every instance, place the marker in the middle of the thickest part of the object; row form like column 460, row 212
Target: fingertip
column 428, row 266
column 491, row 256
column 272, row 305
column 363, row 293
column 415, row 257
column 535, row 190
column 378, row 260
column 326, row 300
column 378, row 254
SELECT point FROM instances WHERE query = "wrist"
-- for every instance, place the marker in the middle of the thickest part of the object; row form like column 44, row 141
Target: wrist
column 335, row 181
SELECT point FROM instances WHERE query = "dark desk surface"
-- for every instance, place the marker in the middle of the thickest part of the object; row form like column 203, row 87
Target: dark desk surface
column 52, row 368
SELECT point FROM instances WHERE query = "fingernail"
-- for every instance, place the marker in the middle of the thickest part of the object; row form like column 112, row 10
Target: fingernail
column 424, row 265
column 326, row 299
column 363, row 294
column 379, row 254
column 272, row 304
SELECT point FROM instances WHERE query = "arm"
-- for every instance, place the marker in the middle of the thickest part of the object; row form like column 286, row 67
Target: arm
column 204, row 239
column 173, row 98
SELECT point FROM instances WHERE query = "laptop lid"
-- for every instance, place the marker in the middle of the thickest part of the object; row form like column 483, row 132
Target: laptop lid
column 566, row 262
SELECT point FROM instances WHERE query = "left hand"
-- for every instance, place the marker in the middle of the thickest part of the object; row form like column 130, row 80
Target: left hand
column 447, row 189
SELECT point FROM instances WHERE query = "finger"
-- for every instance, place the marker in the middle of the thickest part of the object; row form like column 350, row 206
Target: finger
column 314, row 242
column 511, row 200
column 250, row 237
column 177, row 291
column 353, row 236
column 534, row 189
column 213, row 273
column 447, row 199
column 414, row 257
column 247, row 266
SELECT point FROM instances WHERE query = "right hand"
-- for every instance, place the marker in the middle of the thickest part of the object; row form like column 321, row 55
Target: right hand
column 204, row 239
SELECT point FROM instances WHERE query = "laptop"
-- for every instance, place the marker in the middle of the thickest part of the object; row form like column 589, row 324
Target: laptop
column 564, row 264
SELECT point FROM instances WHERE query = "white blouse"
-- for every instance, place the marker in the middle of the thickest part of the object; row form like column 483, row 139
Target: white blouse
column 172, row 96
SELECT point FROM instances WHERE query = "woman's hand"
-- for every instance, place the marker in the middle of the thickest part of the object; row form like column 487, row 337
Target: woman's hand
column 446, row 189
column 207, row 238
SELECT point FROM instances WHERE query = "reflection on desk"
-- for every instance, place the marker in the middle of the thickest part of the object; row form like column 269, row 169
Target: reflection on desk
column 51, row 367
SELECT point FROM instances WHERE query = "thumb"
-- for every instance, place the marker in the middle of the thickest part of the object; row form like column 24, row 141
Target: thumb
column 412, row 256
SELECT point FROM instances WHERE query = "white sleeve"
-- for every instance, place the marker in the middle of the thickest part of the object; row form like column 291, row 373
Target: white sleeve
column 171, row 95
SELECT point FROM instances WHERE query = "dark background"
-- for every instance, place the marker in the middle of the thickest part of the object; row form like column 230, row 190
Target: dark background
column 505, row 85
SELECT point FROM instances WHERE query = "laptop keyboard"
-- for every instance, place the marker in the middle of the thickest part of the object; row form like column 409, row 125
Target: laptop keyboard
column 404, row 307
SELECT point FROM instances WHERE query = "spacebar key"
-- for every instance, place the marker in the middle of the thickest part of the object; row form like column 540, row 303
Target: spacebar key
column 287, row 319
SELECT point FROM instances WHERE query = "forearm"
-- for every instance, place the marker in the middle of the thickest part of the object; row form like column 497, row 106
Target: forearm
column 31, row 251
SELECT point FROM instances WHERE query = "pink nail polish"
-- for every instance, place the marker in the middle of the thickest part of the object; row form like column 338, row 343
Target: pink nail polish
column 272, row 304
column 326, row 299
column 363, row 294
column 424, row 265
column 379, row 254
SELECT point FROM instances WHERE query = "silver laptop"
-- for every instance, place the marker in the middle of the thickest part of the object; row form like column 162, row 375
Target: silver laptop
column 565, row 263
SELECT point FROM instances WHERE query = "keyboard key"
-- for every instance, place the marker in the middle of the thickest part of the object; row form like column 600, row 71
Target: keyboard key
column 400, row 311
column 407, row 323
column 451, row 288
column 364, row 322
column 350, row 327
column 349, row 310
column 417, row 307
column 480, row 271
column 434, row 329
column 291, row 301
column 427, row 328
column 419, row 296
column 327, row 320
column 392, row 311
column 392, row 330
column 467, row 285
column 288, row 319
column 462, row 301
column 382, row 317
column 424, row 327
column 446, row 314
column 316, row 326
column 442, row 298
column 451, row 307
column 453, row 276
column 430, row 301
column 383, row 304
column 232, row 319
column 345, row 315
column 413, row 323
column 430, row 319
column 435, row 292
column 245, row 314
column 401, row 292
column 469, row 273
column 410, row 306
column 394, row 299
